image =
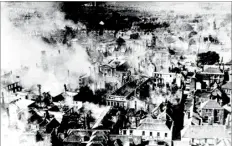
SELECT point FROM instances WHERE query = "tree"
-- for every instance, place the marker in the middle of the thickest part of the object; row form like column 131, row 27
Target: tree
column 85, row 94
column 207, row 58
column 120, row 41
column 134, row 36
column 99, row 96
column 47, row 98
column 38, row 137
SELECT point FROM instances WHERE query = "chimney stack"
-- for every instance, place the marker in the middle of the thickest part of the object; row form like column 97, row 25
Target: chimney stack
column 65, row 88
column 3, row 102
column 39, row 87
column 135, row 105
column 40, row 96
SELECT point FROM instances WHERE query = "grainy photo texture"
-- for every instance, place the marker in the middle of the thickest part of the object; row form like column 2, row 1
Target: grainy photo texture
column 116, row 73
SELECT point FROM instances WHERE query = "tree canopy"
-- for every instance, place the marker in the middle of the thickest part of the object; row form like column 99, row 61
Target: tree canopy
column 85, row 94
column 207, row 58
column 120, row 41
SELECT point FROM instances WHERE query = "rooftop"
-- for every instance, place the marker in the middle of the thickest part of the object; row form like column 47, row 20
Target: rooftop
column 126, row 89
column 224, row 142
column 154, row 127
column 129, row 87
column 206, row 131
column 228, row 85
column 152, row 124
column 211, row 104
column 229, row 63
column 212, row 70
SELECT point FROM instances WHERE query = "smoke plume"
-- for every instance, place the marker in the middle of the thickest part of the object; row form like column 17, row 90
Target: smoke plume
column 23, row 26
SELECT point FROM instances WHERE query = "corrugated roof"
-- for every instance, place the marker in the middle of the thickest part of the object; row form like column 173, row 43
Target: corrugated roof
column 211, row 104
column 206, row 131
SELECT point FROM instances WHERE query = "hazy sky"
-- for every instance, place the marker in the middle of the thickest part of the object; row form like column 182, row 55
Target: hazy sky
column 181, row 7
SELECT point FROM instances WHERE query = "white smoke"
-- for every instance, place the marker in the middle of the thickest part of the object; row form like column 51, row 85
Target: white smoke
column 22, row 45
column 95, row 109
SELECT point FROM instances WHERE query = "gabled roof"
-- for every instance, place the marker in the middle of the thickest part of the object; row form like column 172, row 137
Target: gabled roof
column 206, row 131
column 58, row 98
column 229, row 63
column 79, row 132
column 53, row 123
column 154, row 127
column 73, row 138
column 224, row 142
column 211, row 104
column 228, row 85
column 227, row 108
column 152, row 124
column 98, row 138
column 216, row 92
column 69, row 93
column 212, row 70
column 99, row 132
column 149, row 120
column 75, row 135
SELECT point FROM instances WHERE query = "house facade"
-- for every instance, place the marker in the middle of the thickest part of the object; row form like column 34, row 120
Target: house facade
column 227, row 88
column 211, row 74
column 150, row 129
column 212, row 112
column 204, row 135
column 116, row 101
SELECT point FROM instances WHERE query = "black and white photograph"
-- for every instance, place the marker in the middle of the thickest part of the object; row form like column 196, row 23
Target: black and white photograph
column 116, row 73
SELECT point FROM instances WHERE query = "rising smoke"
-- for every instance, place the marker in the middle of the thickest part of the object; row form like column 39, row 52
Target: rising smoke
column 23, row 26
